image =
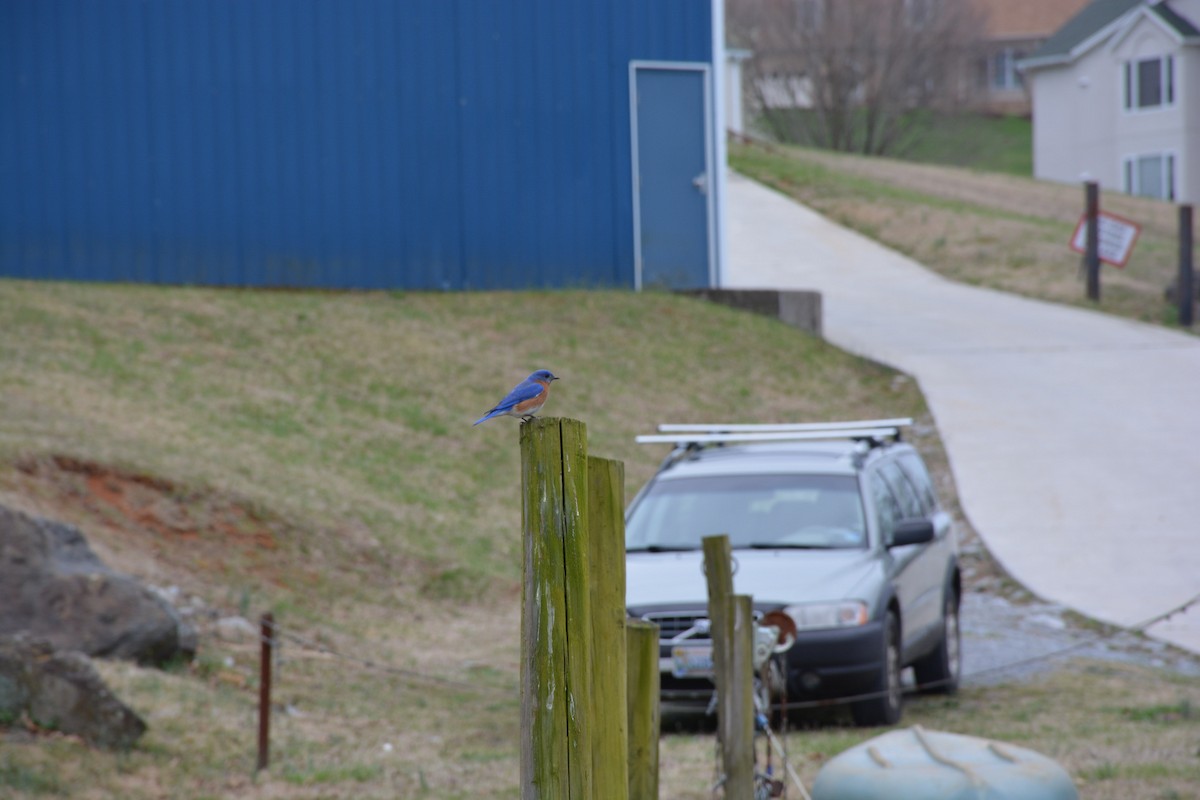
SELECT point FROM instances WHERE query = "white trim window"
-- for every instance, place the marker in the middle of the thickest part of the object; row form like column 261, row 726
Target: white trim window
column 1002, row 70
column 810, row 14
column 921, row 13
column 1151, row 175
column 1150, row 83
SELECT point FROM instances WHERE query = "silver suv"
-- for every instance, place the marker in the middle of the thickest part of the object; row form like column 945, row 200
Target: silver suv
column 835, row 525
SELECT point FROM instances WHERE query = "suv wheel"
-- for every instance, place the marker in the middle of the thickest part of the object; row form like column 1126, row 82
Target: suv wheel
column 884, row 709
column 937, row 673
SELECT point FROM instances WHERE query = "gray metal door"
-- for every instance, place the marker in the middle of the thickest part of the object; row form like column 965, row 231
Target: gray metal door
column 672, row 175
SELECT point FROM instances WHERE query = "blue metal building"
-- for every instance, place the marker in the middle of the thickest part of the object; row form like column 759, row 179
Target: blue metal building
column 424, row 144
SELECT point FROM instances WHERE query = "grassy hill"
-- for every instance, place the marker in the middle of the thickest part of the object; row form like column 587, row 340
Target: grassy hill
column 974, row 141
column 984, row 228
column 989, row 143
column 312, row 454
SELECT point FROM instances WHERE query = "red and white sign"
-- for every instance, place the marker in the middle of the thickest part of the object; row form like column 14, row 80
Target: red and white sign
column 1117, row 236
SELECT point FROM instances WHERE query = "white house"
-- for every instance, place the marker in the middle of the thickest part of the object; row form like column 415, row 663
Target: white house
column 735, row 118
column 1116, row 99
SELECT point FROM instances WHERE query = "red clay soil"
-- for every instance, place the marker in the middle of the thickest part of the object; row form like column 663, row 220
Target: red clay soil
column 179, row 527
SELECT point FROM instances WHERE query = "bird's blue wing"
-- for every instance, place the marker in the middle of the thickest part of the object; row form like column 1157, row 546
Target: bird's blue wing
column 526, row 390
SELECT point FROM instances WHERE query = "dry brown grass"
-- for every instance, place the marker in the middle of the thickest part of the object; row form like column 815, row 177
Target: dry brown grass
column 313, row 454
column 1000, row 231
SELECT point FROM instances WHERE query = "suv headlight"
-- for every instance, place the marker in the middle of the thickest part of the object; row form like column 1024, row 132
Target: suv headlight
column 814, row 616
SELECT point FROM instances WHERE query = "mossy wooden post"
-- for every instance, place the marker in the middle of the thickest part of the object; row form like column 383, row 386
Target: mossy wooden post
column 642, row 698
column 606, row 554
column 741, row 683
column 736, row 728
column 556, row 658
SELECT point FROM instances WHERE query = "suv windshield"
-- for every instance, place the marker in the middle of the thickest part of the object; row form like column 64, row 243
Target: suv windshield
column 770, row 511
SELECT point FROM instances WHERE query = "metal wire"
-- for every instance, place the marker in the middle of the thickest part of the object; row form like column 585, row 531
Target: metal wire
column 775, row 743
column 379, row 666
column 417, row 675
column 1024, row 662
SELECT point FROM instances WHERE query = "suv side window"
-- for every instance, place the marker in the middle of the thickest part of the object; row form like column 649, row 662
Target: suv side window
column 915, row 469
column 906, row 494
column 887, row 512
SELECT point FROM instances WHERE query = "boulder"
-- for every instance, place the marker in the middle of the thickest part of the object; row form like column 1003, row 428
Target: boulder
column 53, row 587
column 62, row 691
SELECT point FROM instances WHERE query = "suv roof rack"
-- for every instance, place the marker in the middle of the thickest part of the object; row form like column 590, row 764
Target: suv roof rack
column 874, row 431
column 787, row 427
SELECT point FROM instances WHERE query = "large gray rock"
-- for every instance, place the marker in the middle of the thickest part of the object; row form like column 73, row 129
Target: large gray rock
column 62, row 691
column 53, row 587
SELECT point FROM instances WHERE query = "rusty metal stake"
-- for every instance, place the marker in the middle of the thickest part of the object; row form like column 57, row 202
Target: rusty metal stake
column 264, row 691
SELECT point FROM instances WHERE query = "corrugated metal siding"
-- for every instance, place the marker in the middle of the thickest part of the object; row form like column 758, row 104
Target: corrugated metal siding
column 348, row 143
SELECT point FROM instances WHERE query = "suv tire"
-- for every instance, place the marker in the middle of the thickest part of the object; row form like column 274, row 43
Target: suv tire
column 938, row 672
column 884, row 709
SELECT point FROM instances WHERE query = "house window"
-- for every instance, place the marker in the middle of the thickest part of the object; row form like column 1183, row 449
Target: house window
column 920, row 12
column 1002, row 70
column 810, row 14
column 1150, row 83
column 1151, row 176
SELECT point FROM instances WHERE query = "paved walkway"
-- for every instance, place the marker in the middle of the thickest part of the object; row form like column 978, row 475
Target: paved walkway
column 1074, row 436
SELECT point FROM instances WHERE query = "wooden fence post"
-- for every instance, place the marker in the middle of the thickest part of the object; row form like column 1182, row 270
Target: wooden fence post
column 1091, row 256
column 741, row 676
column 556, row 669
column 1186, row 286
column 643, row 708
column 735, row 727
column 606, row 554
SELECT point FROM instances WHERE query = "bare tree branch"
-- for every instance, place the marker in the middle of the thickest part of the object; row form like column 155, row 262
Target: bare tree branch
column 851, row 74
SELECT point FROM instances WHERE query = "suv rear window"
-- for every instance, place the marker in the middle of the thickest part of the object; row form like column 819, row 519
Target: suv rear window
column 768, row 511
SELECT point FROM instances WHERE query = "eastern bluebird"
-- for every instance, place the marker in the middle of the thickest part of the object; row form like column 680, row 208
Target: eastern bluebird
column 526, row 398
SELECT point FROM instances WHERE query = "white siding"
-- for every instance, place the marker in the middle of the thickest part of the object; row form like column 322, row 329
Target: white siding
column 1074, row 112
column 1188, row 88
column 1153, row 131
column 1082, row 129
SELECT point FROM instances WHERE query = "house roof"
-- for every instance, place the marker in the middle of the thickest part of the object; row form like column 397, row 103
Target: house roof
column 1079, row 31
column 1163, row 16
column 1099, row 21
column 1026, row 19
column 1183, row 27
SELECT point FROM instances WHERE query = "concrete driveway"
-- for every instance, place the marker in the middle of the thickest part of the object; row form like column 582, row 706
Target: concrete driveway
column 1074, row 436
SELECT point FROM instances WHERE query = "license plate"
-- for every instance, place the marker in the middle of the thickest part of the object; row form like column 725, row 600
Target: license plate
column 691, row 662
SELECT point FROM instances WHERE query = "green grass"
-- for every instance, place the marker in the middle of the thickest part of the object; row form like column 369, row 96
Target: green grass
column 313, row 454
column 1074, row 717
column 985, row 142
column 359, row 773
column 988, row 143
column 19, row 778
